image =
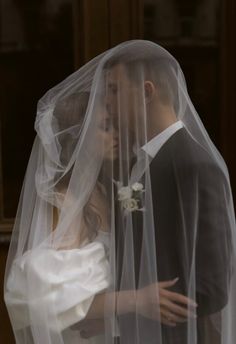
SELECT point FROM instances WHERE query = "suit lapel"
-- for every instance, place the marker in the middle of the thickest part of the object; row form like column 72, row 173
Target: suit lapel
column 143, row 161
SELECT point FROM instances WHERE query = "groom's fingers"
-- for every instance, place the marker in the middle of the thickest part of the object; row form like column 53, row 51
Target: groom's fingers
column 179, row 298
column 180, row 311
column 170, row 317
column 167, row 284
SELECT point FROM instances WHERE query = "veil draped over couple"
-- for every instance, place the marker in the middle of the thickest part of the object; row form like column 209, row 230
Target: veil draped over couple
column 125, row 230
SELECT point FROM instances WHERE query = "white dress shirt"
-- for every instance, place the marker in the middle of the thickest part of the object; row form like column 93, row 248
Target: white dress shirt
column 150, row 150
column 154, row 145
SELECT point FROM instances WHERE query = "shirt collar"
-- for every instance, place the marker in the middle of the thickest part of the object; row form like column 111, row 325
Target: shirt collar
column 154, row 145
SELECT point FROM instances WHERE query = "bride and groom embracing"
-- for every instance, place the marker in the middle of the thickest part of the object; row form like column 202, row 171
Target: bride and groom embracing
column 125, row 228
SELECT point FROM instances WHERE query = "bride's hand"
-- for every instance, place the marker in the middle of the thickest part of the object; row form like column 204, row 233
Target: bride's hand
column 158, row 303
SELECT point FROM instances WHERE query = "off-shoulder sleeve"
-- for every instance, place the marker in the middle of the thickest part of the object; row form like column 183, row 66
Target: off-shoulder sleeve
column 65, row 280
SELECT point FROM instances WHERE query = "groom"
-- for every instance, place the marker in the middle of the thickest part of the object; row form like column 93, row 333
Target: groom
column 189, row 193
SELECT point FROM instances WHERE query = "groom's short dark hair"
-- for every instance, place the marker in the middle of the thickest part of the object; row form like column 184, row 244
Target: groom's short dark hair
column 161, row 72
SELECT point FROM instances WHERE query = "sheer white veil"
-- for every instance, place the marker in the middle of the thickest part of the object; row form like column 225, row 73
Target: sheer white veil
column 115, row 200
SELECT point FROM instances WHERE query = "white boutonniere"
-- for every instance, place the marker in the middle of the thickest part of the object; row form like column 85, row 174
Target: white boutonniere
column 130, row 196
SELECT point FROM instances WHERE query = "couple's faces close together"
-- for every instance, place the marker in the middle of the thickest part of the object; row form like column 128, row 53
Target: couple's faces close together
column 107, row 135
column 118, row 112
column 110, row 115
column 120, row 96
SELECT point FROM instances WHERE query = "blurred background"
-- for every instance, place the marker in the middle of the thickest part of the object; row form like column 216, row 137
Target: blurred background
column 43, row 41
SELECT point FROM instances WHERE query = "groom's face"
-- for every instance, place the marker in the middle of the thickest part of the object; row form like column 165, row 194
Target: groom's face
column 121, row 95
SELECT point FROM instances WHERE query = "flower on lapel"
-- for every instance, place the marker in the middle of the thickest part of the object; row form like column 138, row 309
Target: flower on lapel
column 137, row 187
column 124, row 193
column 130, row 204
column 130, row 196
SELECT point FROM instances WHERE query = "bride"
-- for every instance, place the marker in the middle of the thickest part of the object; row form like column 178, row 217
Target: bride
column 89, row 260
column 76, row 268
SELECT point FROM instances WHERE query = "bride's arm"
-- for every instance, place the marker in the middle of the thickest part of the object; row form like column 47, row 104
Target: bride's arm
column 121, row 302
column 143, row 302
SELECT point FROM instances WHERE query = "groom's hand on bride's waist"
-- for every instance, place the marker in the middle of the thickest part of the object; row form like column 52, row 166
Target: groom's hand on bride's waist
column 156, row 302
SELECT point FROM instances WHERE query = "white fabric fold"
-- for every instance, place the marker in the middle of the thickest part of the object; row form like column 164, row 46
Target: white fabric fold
column 68, row 280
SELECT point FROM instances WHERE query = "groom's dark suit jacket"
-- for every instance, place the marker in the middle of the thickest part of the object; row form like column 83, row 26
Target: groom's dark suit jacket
column 190, row 195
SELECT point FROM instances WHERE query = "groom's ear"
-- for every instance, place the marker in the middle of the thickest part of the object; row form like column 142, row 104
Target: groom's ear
column 149, row 90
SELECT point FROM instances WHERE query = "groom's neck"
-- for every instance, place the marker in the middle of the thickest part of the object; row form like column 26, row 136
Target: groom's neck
column 160, row 118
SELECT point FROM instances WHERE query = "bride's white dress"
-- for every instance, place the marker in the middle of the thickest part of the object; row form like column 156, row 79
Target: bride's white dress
column 67, row 280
